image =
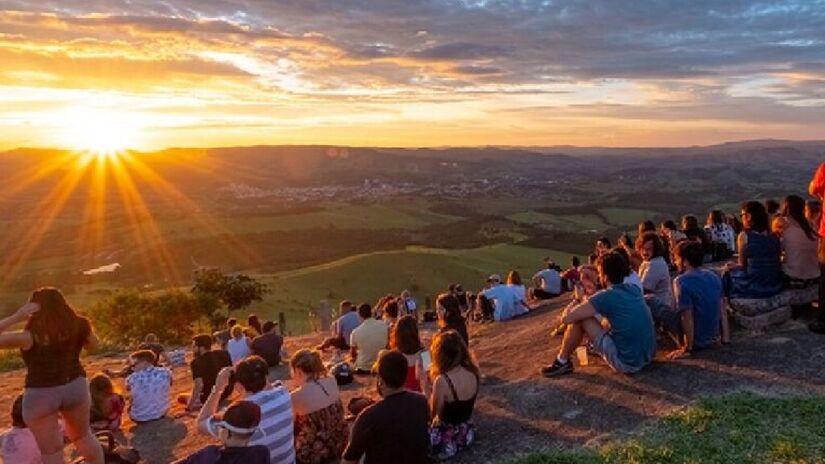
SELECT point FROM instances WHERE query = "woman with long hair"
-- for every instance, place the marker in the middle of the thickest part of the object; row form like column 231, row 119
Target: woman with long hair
column 107, row 404
column 799, row 243
column 454, row 394
column 448, row 309
column 239, row 345
column 405, row 339
column 654, row 271
column 759, row 271
column 50, row 343
column 320, row 430
column 519, row 291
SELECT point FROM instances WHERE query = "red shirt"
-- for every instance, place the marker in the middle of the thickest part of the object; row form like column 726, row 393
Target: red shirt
column 817, row 189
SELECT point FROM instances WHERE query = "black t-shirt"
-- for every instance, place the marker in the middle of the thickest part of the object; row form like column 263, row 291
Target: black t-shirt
column 394, row 430
column 212, row 454
column 268, row 346
column 156, row 348
column 207, row 366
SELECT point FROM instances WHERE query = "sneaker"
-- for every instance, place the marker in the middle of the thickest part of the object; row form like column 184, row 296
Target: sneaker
column 557, row 368
column 817, row 327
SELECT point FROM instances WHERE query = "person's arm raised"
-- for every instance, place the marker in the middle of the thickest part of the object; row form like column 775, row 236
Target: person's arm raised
column 579, row 313
column 19, row 339
column 211, row 406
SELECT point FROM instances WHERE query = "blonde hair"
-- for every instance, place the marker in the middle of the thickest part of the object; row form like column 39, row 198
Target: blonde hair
column 309, row 362
column 237, row 332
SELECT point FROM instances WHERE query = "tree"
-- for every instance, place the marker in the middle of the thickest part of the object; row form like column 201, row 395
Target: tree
column 234, row 291
column 127, row 316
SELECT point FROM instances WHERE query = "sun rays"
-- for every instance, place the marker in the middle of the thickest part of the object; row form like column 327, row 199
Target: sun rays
column 116, row 203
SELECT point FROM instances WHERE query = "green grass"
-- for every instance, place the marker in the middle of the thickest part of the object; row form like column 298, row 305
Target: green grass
column 736, row 428
column 567, row 222
column 627, row 216
column 424, row 271
column 366, row 216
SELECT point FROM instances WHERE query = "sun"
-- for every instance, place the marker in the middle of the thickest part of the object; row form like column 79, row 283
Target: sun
column 102, row 133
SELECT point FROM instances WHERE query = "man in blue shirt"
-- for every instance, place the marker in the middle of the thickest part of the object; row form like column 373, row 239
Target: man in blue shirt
column 630, row 343
column 342, row 328
column 698, row 294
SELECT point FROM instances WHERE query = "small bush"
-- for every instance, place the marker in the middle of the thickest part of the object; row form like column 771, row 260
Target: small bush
column 128, row 315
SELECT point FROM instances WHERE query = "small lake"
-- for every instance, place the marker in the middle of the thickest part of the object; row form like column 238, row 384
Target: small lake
column 103, row 269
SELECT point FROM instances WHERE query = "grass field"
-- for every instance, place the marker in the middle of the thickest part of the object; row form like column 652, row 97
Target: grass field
column 365, row 278
column 566, row 222
column 627, row 216
column 737, row 428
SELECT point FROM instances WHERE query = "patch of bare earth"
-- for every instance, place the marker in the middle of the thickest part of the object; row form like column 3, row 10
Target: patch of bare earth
column 520, row 411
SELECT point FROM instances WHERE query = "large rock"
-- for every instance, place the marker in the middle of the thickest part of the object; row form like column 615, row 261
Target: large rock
column 763, row 321
column 789, row 297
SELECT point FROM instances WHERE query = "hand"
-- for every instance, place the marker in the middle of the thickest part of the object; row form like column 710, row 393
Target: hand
column 678, row 354
column 26, row 311
column 222, row 381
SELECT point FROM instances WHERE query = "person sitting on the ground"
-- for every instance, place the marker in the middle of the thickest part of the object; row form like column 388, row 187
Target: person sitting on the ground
column 269, row 344
column 107, row 404
column 239, row 346
column 695, row 321
column 50, row 344
column 654, row 271
column 691, row 229
column 570, row 277
column 632, row 278
column 630, row 344
column 148, row 387
column 759, row 271
column 235, row 429
column 587, row 286
column 453, row 398
column 222, row 337
column 463, row 298
column 367, row 340
column 405, row 340
column 252, row 321
column 502, row 297
column 645, row 226
column 603, row 245
column 799, row 244
column 205, row 365
column 342, row 328
column 626, row 243
column 407, row 305
column 17, row 444
column 251, row 383
column 547, row 282
column 670, row 234
column 394, row 429
column 390, row 313
column 721, row 234
column 592, row 259
column 817, row 190
column 150, row 342
column 450, row 317
column 320, row 429
column 519, row 293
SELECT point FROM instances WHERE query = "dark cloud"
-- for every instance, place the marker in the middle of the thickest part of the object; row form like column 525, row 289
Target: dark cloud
column 461, row 51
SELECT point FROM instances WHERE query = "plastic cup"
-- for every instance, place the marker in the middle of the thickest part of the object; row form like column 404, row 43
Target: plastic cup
column 581, row 354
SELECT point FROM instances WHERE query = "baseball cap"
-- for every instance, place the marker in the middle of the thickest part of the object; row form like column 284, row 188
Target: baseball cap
column 241, row 417
column 494, row 278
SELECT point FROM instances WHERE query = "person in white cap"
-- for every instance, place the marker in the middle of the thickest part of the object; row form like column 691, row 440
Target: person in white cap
column 234, row 427
column 503, row 297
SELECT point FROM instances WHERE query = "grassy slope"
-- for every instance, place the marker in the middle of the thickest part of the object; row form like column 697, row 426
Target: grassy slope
column 740, row 428
column 425, row 271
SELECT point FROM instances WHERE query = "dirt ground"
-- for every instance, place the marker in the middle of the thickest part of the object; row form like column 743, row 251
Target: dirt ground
column 519, row 411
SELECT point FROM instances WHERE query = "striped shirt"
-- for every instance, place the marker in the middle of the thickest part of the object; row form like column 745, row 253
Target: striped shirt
column 276, row 428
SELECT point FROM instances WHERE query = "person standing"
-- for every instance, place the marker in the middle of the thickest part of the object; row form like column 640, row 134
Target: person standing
column 817, row 189
column 50, row 344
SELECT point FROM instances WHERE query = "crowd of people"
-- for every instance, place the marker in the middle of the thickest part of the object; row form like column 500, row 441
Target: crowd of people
column 625, row 301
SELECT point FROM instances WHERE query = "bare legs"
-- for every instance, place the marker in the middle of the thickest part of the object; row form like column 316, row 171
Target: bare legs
column 575, row 333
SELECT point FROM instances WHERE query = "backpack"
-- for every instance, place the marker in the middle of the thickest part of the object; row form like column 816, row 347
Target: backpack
column 342, row 373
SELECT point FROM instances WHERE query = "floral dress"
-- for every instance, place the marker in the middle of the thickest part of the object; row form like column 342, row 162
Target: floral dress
column 321, row 436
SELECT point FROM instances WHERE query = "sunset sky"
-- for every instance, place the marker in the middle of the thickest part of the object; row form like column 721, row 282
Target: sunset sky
column 154, row 74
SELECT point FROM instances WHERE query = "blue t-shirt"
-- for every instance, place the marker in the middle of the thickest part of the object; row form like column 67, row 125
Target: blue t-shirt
column 700, row 290
column 631, row 323
column 347, row 323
